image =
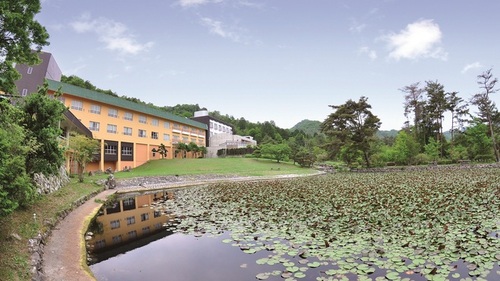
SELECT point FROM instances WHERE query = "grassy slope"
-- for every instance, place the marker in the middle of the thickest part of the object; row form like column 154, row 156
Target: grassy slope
column 236, row 166
column 14, row 256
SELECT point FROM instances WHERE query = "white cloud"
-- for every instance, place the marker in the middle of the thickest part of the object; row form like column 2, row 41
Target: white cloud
column 216, row 27
column 114, row 35
column 472, row 66
column 194, row 3
column 420, row 39
column 372, row 54
column 357, row 27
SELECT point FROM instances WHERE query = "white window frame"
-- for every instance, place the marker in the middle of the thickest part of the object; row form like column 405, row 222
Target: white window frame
column 95, row 108
column 94, row 126
column 112, row 129
column 113, row 112
column 128, row 116
column 142, row 133
column 127, row 131
column 77, row 105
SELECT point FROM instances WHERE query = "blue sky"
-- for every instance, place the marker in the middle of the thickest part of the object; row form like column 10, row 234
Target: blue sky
column 279, row 60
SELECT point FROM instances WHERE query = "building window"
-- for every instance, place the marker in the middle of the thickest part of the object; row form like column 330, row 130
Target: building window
column 143, row 119
column 185, row 128
column 128, row 116
column 24, row 92
column 176, row 126
column 155, row 122
column 142, row 133
column 154, row 135
column 176, row 138
column 130, row 220
column 166, row 125
column 132, row 234
column 96, row 109
column 129, row 203
column 115, row 224
column 117, row 239
column 110, row 149
column 144, row 217
column 77, row 105
column 94, row 126
column 185, row 139
column 146, row 230
column 30, row 70
column 127, row 131
column 127, row 150
column 166, row 137
column 111, row 129
column 99, row 244
column 157, row 214
column 113, row 113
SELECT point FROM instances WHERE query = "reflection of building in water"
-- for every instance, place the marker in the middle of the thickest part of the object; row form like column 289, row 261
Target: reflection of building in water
column 128, row 219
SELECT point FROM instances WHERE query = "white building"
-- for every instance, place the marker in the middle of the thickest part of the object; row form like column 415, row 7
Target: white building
column 220, row 134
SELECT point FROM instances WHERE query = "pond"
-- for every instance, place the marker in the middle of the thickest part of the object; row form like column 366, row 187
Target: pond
column 343, row 227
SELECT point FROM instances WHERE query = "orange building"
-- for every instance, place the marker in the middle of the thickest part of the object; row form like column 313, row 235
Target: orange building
column 128, row 219
column 129, row 132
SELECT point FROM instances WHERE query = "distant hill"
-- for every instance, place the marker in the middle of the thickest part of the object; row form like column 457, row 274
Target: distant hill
column 392, row 133
column 310, row 127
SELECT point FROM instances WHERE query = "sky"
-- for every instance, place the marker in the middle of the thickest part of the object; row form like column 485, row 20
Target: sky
column 275, row 60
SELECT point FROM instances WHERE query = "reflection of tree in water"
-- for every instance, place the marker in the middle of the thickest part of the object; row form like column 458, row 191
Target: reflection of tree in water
column 95, row 226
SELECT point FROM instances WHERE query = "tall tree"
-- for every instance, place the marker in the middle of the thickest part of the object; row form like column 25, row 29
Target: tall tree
column 42, row 116
column 413, row 103
column 353, row 125
column 485, row 105
column 437, row 105
column 458, row 108
column 19, row 33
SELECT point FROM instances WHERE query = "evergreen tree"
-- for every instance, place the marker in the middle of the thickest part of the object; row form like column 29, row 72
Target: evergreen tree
column 352, row 126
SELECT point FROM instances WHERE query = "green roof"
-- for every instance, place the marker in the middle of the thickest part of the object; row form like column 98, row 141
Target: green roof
column 121, row 102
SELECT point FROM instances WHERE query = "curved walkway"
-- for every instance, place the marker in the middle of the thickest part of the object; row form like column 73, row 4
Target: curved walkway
column 63, row 252
column 62, row 258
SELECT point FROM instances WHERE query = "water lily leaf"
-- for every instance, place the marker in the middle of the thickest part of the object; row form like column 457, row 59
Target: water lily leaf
column 262, row 276
column 392, row 275
column 314, row 264
column 299, row 275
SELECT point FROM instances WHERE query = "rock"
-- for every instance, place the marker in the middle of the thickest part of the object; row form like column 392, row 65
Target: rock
column 16, row 236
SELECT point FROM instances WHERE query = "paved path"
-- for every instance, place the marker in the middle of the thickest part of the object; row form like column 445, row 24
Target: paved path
column 63, row 250
column 62, row 257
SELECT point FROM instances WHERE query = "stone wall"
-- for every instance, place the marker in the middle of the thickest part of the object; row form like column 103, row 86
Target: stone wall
column 48, row 184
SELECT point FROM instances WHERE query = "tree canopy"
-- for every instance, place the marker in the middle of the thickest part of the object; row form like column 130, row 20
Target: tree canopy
column 352, row 125
column 20, row 33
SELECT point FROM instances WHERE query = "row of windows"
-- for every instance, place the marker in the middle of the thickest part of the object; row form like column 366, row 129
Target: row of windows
column 220, row 127
column 112, row 129
column 96, row 109
column 130, row 220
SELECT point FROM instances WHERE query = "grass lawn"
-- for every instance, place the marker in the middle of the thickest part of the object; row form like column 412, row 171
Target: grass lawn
column 233, row 166
column 14, row 255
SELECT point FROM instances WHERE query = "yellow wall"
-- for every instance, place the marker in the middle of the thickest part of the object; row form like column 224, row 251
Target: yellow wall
column 143, row 146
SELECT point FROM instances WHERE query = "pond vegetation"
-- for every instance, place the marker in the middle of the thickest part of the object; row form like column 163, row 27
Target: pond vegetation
column 433, row 224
